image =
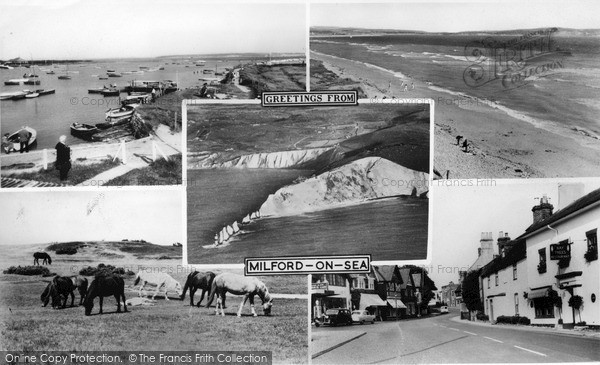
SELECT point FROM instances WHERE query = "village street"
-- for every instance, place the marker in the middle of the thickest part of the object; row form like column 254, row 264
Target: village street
column 446, row 339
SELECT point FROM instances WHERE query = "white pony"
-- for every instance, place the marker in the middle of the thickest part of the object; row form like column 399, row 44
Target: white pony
column 239, row 285
column 160, row 280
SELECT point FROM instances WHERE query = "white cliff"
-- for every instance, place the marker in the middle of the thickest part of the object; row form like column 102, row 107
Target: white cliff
column 269, row 160
column 365, row 179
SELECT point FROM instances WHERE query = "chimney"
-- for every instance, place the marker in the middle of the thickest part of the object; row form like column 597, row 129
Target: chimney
column 504, row 242
column 543, row 210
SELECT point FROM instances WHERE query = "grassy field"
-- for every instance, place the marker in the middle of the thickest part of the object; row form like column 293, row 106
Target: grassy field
column 81, row 171
column 273, row 78
column 168, row 325
column 160, row 172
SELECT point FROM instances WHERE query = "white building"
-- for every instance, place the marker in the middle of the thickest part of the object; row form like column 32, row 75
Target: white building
column 505, row 285
column 575, row 228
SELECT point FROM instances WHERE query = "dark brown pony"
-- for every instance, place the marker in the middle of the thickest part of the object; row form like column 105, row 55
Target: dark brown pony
column 62, row 287
column 41, row 255
column 105, row 286
column 198, row 280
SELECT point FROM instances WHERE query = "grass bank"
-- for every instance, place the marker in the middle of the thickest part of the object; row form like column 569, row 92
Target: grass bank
column 159, row 172
column 273, row 78
column 80, row 171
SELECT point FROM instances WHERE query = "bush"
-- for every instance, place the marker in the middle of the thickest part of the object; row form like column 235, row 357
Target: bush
column 482, row 317
column 28, row 270
column 103, row 269
column 513, row 320
column 524, row 321
column 66, row 251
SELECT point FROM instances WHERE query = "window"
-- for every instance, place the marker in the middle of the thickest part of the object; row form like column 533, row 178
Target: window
column 496, row 279
column 371, row 284
column 489, row 280
column 542, row 263
column 335, row 280
column 544, row 308
column 592, row 245
column 514, row 271
column 516, row 304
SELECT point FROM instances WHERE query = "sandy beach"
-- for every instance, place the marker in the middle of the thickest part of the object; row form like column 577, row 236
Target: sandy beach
column 500, row 145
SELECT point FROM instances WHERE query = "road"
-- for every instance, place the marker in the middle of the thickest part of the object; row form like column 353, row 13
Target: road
column 441, row 340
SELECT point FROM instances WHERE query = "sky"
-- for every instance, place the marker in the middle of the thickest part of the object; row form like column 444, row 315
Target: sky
column 36, row 217
column 455, row 16
column 461, row 213
column 72, row 29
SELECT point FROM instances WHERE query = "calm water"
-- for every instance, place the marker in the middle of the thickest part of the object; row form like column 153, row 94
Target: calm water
column 394, row 229
column 441, row 60
column 51, row 115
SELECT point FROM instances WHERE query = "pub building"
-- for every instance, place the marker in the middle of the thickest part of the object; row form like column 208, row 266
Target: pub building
column 549, row 273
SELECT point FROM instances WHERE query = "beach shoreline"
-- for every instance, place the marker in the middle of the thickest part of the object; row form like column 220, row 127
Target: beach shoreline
column 504, row 146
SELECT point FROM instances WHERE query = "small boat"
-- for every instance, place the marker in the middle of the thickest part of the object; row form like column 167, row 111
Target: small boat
column 6, row 67
column 114, row 74
column 64, row 77
column 113, row 122
column 50, row 73
column 32, row 82
column 97, row 90
column 26, row 75
column 32, row 95
column 110, row 70
column 83, row 131
column 20, row 95
column 102, row 77
column 110, row 92
column 45, row 92
column 124, row 111
column 15, row 81
column 14, row 138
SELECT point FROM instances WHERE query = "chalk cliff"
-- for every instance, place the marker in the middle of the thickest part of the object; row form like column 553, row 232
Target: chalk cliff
column 356, row 182
column 271, row 160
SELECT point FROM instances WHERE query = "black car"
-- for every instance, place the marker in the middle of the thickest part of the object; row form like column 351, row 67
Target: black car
column 336, row 316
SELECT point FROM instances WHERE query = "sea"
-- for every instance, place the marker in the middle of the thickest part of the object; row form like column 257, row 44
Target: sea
column 51, row 115
column 390, row 229
column 566, row 96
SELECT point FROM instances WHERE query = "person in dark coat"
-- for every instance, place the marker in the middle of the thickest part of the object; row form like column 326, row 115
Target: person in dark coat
column 203, row 90
column 24, row 136
column 63, row 158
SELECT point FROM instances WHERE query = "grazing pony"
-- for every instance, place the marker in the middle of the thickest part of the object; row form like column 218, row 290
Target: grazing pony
column 158, row 279
column 105, row 286
column 41, row 255
column 239, row 285
column 64, row 286
column 198, row 280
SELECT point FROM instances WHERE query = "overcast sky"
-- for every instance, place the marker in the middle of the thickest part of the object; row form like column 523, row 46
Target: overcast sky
column 460, row 214
column 454, row 16
column 74, row 29
column 60, row 216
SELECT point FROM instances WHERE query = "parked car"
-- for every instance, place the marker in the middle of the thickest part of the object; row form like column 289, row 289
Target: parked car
column 444, row 309
column 362, row 316
column 336, row 316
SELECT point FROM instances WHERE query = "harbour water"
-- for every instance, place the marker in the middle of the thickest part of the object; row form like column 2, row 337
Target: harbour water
column 391, row 229
column 51, row 115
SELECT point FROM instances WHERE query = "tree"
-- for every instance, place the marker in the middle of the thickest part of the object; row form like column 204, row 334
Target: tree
column 575, row 302
column 470, row 291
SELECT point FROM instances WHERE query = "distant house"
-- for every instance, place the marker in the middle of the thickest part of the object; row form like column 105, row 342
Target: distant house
column 450, row 294
column 390, row 288
column 330, row 291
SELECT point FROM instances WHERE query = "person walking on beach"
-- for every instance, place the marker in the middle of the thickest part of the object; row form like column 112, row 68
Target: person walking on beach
column 466, row 145
column 63, row 158
column 24, row 140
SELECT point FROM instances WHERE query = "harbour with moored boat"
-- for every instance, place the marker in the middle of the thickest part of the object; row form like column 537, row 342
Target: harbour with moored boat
column 59, row 95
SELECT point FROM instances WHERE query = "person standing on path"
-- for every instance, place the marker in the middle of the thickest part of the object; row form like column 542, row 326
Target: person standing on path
column 63, row 158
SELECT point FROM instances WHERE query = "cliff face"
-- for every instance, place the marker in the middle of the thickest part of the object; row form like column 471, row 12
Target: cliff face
column 272, row 160
column 358, row 181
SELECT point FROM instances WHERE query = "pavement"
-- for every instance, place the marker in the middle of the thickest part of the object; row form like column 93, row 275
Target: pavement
column 446, row 339
column 567, row 332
